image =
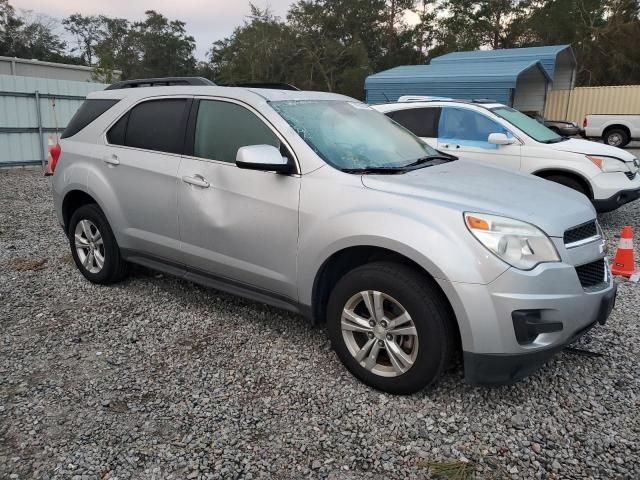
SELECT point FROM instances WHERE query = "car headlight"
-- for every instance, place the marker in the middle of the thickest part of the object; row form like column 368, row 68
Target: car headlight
column 608, row 164
column 519, row 244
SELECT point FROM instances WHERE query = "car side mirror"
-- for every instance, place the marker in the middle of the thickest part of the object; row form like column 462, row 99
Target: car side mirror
column 263, row 157
column 500, row 139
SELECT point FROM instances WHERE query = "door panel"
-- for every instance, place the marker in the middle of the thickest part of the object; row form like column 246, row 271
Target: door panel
column 236, row 223
column 464, row 133
column 141, row 164
column 243, row 226
column 145, row 186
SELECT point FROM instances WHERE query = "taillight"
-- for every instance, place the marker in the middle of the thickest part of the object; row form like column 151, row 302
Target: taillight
column 54, row 155
column 584, row 122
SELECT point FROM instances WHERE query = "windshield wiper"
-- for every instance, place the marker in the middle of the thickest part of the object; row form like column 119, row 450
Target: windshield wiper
column 375, row 170
column 557, row 140
column 431, row 160
column 427, row 161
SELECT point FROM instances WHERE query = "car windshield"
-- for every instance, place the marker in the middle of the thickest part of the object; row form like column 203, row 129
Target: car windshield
column 528, row 125
column 354, row 136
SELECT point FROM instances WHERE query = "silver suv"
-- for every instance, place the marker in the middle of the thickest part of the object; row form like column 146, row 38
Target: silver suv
column 316, row 203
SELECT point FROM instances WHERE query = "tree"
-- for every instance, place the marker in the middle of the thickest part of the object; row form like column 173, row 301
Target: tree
column 29, row 35
column 260, row 50
column 164, row 48
column 88, row 33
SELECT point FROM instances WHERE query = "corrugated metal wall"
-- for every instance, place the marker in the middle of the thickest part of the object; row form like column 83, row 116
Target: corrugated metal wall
column 574, row 104
column 24, row 127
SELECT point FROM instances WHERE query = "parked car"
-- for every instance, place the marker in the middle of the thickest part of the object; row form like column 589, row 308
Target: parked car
column 561, row 127
column 497, row 134
column 614, row 130
column 317, row 203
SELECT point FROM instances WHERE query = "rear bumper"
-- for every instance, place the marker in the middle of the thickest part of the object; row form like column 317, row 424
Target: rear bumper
column 616, row 200
column 493, row 369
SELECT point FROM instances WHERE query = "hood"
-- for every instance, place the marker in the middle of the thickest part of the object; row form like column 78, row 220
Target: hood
column 587, row 147
column 467, row 185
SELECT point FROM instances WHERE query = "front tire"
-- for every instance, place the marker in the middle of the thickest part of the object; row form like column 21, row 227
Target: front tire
column 94, row 248
column 391, row 327
column 569, row 182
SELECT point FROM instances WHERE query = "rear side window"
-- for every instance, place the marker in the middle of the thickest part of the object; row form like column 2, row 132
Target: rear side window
column 87, row 113
column 223, row 127
column 154, row 125
column 422, row 122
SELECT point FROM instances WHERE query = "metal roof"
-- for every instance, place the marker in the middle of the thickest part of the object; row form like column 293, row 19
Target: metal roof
column 546, row 55
column 471, row 80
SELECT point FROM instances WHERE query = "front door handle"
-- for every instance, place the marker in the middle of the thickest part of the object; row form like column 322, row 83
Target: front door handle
column 196, row 180
column 111, row 160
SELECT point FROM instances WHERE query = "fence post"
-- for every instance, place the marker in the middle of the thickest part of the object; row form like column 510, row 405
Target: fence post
column 40, row 137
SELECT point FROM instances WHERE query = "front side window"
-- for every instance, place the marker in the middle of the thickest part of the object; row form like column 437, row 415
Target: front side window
column 422, row 122
column 223, row 127
column 528, row 125
column 153, row 125
column 351, row 135
column 467, row 127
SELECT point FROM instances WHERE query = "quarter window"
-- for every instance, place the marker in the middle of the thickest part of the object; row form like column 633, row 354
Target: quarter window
column 223, row 127
column 87, row 113
column 154, row 125
column 422, row 122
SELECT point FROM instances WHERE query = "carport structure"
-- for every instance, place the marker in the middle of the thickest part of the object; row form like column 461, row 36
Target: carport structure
column 518, row 77
column 558, row 61
column 521, row 84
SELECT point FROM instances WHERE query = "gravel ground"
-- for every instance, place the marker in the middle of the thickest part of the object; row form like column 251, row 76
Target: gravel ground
column 157, row 378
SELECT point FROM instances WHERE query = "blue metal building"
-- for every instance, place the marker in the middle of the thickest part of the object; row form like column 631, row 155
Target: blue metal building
column 558, row 60
column 518, row 77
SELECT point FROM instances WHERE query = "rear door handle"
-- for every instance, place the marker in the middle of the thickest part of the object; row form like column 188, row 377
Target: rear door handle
column 111, row 160
column 196, row 180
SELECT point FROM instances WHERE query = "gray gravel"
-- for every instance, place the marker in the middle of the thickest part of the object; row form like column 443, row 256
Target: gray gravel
column 157, row 378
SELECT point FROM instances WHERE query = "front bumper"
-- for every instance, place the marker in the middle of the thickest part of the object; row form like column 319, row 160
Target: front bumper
column 616, row 200
column 550, row 297
column 482, row 368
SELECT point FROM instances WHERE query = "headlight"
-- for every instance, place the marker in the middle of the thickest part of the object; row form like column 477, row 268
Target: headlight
column 608, row 164
column 520, row 244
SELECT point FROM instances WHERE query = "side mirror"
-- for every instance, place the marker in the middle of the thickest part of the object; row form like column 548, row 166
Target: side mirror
column 262, row 157
column 500, row 139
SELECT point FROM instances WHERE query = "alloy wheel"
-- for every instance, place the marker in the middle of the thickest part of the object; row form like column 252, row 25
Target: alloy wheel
column 89, row 246
column 615, row 139
column 379, row 333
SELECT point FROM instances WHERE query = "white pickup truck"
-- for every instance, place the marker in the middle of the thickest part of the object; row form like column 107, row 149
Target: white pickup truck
column 615, row 130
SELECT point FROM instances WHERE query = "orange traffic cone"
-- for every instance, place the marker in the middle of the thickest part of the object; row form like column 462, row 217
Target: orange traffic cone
column 52, row 160
column 623, row 263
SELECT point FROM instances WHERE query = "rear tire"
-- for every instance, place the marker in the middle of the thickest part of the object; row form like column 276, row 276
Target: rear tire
column 94, row 248
column 402, row 358
column 569, row 182
column 616, row 137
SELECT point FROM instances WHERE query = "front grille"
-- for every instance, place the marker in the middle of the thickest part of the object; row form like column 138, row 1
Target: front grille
column 592, row 274
column 631, row 175
column 575, row 234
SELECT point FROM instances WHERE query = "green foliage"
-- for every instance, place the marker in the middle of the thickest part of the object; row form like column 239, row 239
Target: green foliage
column 334, row 44
column 28, row 36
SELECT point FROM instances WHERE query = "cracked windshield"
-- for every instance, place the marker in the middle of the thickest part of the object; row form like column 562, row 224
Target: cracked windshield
column 353, row 136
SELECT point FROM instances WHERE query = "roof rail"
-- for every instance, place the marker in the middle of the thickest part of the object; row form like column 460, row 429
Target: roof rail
column 484, row 100
column 160, row 82
column 269, row 85
column 421, row 98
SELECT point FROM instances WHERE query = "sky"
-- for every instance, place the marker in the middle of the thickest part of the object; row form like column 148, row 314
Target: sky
column 207, row 20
